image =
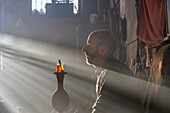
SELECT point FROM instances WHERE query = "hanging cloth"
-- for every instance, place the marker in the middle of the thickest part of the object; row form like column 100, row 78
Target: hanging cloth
column 151, row 27
column 168, row 14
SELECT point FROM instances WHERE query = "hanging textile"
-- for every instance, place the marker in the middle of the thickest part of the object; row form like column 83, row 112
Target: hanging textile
column 168, row 13
column 151, row 27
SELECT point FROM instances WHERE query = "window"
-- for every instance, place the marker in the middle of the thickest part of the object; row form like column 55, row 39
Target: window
column 39, row 5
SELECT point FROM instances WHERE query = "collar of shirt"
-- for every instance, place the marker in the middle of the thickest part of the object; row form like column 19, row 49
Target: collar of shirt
column 100, row 72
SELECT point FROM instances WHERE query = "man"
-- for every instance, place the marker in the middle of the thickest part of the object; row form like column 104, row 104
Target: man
column 99, row 51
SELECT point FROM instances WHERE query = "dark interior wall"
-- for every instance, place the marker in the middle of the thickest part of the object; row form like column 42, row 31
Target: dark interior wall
column 19, row 21
column 90, row 6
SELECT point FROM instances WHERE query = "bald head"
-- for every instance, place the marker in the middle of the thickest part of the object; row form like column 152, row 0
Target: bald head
column 104, row 37
column 100, row 47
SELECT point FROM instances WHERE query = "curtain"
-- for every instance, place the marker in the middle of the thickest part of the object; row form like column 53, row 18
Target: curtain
column 168, row 13
column 151, row 27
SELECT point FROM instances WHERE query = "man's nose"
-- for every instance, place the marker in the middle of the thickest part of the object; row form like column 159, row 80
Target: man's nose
column 84, row 49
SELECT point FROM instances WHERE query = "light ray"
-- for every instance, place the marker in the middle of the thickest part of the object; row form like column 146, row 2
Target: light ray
column 27, row 78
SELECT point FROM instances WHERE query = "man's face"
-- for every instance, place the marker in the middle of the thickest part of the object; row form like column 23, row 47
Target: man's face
column 91, row 50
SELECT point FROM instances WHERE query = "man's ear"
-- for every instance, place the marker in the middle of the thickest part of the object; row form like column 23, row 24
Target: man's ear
column 102, row 49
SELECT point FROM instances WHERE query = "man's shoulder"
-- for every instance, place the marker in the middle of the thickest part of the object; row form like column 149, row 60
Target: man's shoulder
column 118, row 67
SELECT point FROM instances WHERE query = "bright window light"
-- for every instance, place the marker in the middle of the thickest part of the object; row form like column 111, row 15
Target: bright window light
column 39, row 5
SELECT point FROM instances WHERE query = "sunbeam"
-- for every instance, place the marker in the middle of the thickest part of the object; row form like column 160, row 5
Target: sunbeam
column 27, row 79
